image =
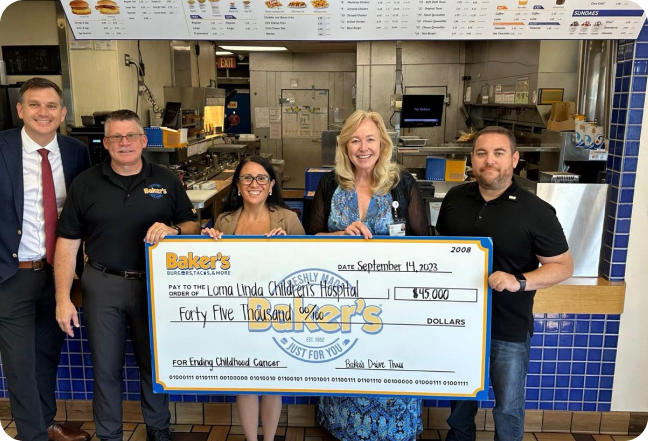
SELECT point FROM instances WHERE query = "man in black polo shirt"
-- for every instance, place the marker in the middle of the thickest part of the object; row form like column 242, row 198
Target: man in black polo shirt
column 116, row 207
column 525, row 232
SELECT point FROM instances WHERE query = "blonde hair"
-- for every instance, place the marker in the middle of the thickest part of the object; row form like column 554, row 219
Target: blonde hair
column 386, row 174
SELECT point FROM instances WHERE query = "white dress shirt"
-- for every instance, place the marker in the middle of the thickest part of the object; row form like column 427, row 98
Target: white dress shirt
column 32, row 243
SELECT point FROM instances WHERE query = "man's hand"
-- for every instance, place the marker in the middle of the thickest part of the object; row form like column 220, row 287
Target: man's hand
column 66, row 313
column 157, row 232
column 500, row 281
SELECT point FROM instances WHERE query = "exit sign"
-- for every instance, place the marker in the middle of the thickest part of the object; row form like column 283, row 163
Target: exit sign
column 226, row 62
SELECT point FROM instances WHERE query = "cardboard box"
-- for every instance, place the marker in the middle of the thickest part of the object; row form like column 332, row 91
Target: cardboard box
column 174, row 138
column 561, row 118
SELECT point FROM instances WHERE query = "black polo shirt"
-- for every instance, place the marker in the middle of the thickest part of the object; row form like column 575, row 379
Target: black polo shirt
column 114, row 219
column 522, row 226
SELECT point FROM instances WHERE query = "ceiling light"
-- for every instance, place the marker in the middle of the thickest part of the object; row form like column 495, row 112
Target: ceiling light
column 254, row 48
column 223, row 53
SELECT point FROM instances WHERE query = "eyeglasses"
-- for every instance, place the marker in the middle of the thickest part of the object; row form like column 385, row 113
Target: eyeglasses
column 116, row 139
column 247, row 179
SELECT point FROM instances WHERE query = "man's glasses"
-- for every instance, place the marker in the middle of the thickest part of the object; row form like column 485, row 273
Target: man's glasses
column 247, row 179
column 115, row 139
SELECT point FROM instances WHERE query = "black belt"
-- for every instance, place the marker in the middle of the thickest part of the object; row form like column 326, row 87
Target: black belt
column 128, row 275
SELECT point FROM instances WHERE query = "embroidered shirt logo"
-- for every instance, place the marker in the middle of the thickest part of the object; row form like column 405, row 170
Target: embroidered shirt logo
column 156, row 191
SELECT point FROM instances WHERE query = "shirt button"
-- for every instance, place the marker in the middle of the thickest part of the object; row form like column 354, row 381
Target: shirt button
column 19, row 232
column 14, row 255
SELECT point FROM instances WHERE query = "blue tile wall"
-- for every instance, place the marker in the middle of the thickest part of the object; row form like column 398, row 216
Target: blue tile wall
column 630, row 84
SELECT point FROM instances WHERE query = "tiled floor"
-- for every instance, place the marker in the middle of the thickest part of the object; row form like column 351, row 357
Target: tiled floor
column 188, row 432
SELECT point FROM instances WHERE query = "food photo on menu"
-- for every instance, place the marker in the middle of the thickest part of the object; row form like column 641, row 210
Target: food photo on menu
column 108, row 7
column 80, row 7
column 319, row 4
column 273, row 4
column 297, row 4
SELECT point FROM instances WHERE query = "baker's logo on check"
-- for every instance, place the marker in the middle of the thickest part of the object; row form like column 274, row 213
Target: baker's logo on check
column 315, row 331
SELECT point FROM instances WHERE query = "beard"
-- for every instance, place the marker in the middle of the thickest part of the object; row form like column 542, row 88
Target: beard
column 498, row 182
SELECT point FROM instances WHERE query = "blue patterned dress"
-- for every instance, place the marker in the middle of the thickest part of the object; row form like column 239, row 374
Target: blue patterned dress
column 367, row 418
column 344, row 211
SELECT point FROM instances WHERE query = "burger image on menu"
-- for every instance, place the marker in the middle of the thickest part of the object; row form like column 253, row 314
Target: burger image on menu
column 79, row 7
column 107, row 7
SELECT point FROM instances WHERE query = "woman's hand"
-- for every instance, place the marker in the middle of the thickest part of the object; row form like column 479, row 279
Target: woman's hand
column 276, row 232
column 214, row 234
column 358, row 228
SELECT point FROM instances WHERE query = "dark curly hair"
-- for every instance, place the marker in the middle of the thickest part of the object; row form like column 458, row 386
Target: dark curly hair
column 234, row 201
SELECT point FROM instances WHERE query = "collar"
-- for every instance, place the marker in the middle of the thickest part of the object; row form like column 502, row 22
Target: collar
column 31, row 146
column 511, row 194
column 276, row 216
column 107, row 171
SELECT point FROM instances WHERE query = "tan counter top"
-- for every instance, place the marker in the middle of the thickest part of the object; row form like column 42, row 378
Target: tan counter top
column 582, row 295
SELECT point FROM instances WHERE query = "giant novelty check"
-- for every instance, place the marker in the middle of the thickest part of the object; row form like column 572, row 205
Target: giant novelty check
column 321, row 315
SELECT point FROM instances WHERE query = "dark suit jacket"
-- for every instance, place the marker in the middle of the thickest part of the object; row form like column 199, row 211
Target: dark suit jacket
column 75, row 158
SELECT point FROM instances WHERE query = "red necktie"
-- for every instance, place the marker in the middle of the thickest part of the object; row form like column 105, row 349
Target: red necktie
column 49, row 206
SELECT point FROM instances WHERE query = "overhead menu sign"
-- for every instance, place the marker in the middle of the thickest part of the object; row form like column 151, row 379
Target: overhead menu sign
column 354, row 20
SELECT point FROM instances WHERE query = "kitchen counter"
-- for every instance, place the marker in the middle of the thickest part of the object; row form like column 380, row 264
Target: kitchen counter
column 466, row 148
column 202, row 199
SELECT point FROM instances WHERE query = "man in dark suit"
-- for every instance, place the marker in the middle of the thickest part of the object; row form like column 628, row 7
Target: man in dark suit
column 36, row 167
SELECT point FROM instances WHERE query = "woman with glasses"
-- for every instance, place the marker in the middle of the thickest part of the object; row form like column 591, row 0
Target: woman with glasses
column 255, row 207
column 367, row 194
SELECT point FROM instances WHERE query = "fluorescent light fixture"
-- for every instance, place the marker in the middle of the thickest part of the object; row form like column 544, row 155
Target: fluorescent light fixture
column 254, row 48
column 223, row 53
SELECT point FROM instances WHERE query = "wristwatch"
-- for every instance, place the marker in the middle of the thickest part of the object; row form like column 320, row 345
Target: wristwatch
column 522, row 281
column 177, row 228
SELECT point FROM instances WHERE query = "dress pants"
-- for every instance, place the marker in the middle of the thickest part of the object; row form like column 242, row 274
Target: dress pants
column 30, row 347
column 110, row 305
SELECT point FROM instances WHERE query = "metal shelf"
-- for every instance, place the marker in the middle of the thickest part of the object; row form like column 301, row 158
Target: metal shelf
column 503, row 105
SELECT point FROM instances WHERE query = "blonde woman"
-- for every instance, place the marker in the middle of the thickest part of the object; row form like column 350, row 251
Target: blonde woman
column 367, row 195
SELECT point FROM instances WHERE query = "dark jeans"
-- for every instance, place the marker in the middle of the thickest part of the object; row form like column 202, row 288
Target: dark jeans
column 509, row 363
column 30, row 345
column 110, row 305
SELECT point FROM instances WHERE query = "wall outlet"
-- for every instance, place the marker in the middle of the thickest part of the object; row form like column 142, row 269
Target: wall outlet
column 396, row 102
column 127, row 60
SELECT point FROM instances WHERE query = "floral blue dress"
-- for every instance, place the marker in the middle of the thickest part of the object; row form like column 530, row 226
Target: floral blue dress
column 344, row 211
column 367, row 418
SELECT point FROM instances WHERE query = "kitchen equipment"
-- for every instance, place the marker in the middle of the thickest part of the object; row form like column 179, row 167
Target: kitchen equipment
column 88, row 120
column 558, row 177
column 413, row 141
column 9, row 97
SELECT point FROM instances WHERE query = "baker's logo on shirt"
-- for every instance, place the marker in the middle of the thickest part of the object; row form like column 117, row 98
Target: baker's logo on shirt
column 156, row 191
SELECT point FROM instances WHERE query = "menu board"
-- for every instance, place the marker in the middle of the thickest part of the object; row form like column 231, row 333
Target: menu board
column 353, row 20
